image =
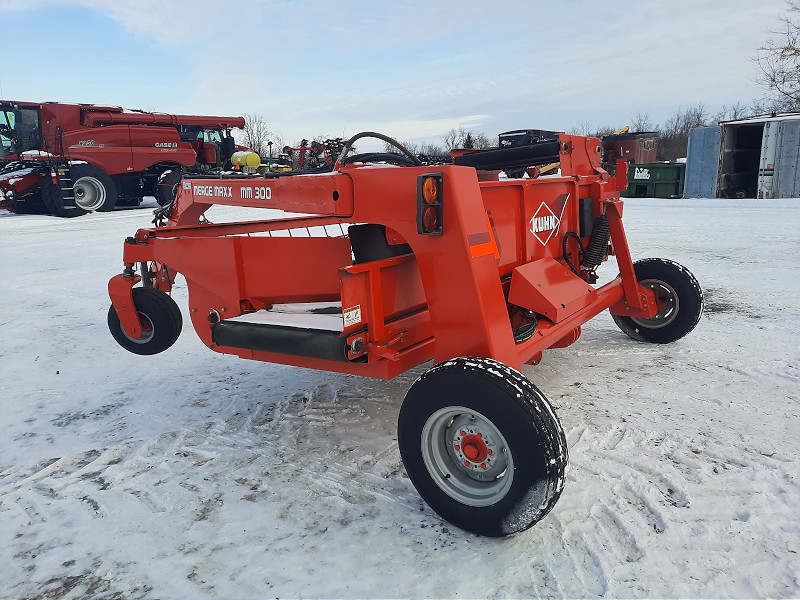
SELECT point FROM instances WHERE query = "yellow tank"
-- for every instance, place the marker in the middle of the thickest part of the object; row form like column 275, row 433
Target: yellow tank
column 245, row 158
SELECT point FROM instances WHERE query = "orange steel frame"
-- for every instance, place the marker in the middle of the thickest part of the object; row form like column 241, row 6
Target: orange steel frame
column 448, row 298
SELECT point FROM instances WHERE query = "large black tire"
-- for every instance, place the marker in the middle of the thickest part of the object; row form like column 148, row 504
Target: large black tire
column 94, row 190
column 680, row 294
column 54, row 201
column 167, row 187
column 161, row 322
column 483, row 446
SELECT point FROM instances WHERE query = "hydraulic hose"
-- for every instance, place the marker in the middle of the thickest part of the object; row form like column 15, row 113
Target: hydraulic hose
column 349, row 144
column 381, row 156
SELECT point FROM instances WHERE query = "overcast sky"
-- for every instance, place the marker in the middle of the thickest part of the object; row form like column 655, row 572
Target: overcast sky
column 412, row 69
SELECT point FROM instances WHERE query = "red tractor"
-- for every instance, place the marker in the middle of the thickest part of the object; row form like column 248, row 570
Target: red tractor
column 70, row 159
column 394, row 264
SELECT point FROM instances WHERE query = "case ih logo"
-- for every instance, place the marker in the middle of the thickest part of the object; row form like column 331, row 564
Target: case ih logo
column 166, row 144
column 544, row 224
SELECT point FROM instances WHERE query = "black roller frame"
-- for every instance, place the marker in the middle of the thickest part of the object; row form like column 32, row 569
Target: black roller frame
column 293, row 341
column 500, row 159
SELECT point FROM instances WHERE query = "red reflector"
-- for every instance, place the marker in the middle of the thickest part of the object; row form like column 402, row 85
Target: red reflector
column 430, row 219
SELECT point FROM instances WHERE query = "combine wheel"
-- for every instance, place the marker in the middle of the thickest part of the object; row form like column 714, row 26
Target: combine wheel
column 160, row 318
column 679, row 296
column 482, row 446
column 93, row 189
column 54, row 202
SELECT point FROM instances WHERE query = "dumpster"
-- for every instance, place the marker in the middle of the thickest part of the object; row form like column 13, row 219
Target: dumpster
column 655, row 180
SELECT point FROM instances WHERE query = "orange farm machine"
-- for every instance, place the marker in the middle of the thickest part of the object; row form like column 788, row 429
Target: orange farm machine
column 395, row 264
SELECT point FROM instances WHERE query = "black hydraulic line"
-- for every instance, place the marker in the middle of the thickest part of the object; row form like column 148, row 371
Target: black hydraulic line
column 388, row 157
column 565, row 254
column 499, row 159
column 349, row 144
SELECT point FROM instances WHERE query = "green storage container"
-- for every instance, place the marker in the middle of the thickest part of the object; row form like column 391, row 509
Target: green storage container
column 655, row 180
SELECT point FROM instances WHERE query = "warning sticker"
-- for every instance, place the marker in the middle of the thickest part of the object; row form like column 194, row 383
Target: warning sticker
column 352, row 315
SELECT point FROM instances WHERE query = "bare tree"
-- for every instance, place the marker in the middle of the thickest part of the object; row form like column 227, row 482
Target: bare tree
column 464, row 138
column 604, row 131
column 410, row 146
column 734, row 111
column 450, row 139
column 675, row 132
column 434, row 154
column 642, row 123
column 257, row 134
column 481, row 140
column 428, row 152
column 586, row 129
column 772, row 105
column 779, row 60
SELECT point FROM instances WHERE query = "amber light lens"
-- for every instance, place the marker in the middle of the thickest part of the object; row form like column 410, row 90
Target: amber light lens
column 430, row 190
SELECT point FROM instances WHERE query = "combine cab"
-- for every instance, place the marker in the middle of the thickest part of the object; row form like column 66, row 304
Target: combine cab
column 70, row 159
column 396, row 264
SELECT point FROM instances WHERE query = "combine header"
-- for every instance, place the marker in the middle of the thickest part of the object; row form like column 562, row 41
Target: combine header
column 397, row 264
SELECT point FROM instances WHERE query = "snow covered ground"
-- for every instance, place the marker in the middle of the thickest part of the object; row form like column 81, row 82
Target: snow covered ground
column 193, row 474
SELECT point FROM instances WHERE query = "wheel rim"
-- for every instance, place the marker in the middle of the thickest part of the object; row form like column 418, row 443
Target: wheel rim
column 90, row 193
column 665, row 294
column 467, row 456
column 148, row 330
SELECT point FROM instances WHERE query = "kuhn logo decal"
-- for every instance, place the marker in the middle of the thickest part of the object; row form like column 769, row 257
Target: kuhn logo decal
column 544, row 222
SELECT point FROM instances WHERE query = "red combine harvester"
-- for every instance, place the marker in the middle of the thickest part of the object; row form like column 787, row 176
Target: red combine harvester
column 70, row 159
column 399, row 264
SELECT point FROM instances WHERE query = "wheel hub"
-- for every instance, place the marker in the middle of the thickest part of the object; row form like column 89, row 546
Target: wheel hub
column 89, row 193
column 476, row 448
column 473, row 448
column 467, row 456
column 147, row 330
column 668, row 305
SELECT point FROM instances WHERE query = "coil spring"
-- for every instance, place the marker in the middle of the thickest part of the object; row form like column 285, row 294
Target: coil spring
column 598, row 243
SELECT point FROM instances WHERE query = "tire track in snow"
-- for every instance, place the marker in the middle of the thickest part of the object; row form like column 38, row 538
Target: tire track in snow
column 640, row 484
column 302, row 438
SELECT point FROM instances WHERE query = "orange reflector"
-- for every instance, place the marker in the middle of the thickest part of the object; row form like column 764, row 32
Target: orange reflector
column 430, row 190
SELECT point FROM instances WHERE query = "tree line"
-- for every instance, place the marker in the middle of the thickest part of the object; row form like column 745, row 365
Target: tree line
column 673, row 133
